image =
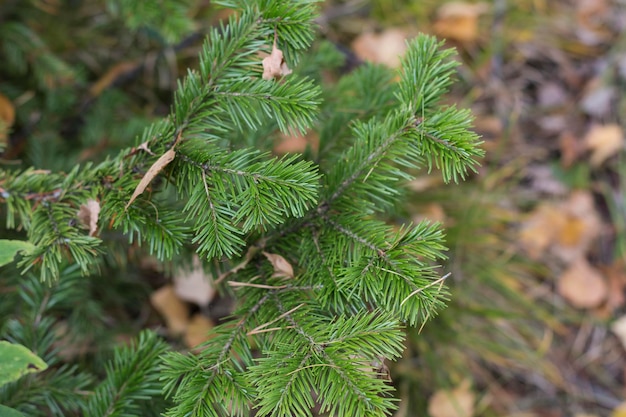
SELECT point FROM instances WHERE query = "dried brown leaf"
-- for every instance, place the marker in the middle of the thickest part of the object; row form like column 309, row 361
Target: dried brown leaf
column 385, row 48
column 88, row 215
column 160, row 163
column 282, row 268
column 459, row 21
column 566, row 229
column 173, row 310
column 604, row 141
column 198, row 330
column 581, row 227
column 582, row 285
column 541, row 229
column 144, row 147
column 274, row 65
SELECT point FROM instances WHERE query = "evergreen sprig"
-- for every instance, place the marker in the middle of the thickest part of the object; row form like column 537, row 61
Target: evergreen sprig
column 199, row 179
column 132, row 378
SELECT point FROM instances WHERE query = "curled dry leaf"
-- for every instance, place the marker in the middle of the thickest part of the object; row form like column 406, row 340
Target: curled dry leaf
column 192, row 284
column 282, row 268
column 174, row 311
column 88, row 215
column 604, row 141
column 458, row 402
column 160, row 163
column 582, row 285
column 274, row 66
column 385, row 48
column 144, row 147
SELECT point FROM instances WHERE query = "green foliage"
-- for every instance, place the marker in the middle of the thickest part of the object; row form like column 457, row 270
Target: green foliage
column 317, row 339
column 9, row 412
column 169, row 19
column 132, row 381
column 10, row 248
column 16, row 360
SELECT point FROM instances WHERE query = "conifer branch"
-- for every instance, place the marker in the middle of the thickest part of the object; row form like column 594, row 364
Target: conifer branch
column 132, row 377
column 201, row 179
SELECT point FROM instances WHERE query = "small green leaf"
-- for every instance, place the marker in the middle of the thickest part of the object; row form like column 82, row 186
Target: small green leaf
column 9, row 412
column 16, row 361
column 9, row 248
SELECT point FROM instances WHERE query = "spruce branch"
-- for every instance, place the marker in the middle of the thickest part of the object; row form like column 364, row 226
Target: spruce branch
column 206, row 104
column 132, row 377
column 197, row 180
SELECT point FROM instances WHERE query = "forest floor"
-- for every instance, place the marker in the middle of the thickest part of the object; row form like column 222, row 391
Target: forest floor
column 538, row 236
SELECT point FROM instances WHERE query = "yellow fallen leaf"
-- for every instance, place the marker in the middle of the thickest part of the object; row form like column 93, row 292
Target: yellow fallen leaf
column 582, row 285
column 566, row 229
column 619, row 411
column 385, row 48
column 198, row 330
column 458, row 402
column 173, row 310
column 88, row 215
column 582, row 225
column 604, row 141
column 459, row 21
column 541, row 229
column 160, row 163
column 282, row 268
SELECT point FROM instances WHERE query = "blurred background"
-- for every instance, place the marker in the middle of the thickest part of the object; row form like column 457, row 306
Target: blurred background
column 536, row 324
